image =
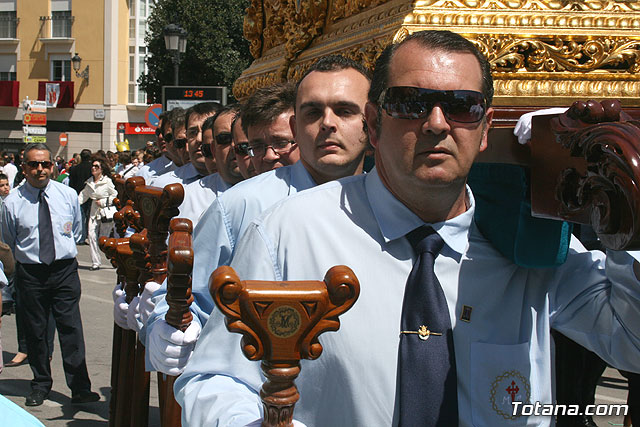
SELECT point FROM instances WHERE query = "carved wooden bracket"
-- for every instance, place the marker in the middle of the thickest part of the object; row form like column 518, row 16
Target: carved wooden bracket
column 607, row 190
column 140, row 247
column 157, row 206
column 280, row 323
column 180, row 265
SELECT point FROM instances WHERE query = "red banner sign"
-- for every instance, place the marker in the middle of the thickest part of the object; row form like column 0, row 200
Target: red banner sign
column 136, row 129
column 35, row 119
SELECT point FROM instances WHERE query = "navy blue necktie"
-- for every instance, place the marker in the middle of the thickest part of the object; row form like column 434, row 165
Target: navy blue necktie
column 427, row 364
column 45, row 231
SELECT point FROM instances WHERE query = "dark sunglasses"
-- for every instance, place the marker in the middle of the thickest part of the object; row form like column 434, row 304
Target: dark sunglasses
column 206, row 151
column 224, row 138
column 158, row 131
column 406, row 102
column 241, row 149
column 168, row 137
column 45, row 165
column 180, row 142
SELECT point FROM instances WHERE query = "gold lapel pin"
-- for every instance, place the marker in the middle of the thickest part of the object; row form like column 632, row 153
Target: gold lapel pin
column 423, row 333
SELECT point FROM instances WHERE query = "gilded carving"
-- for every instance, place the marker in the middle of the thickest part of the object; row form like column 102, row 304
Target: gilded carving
column 275, row 21
column 551, row 49
column 253, row 26
column 341, row 9
column 510, row 54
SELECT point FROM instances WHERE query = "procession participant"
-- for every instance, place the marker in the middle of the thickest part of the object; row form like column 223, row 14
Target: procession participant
column 240, row 144
column 178, row 142
column 41, row 222
column 446, row 331
column 197, row 197
column 329, row 133
column 195, row 168
column 164, row 163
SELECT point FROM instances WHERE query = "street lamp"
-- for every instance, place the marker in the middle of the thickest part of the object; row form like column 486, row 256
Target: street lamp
column 76, row 61
column 175, row 40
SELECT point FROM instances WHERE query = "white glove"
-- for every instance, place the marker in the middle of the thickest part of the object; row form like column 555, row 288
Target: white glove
column 147, row 305
column 120, row 308
column 523, row 128
column 117, row 291
column 169, row 349
column 133, row 315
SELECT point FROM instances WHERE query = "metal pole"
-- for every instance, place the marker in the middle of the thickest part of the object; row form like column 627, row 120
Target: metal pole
column 176, row 70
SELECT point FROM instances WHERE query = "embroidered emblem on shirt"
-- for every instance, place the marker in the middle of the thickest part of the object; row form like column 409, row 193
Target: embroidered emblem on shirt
column 507, row 388
column 466, row 313
column 284, row 321
column 67, row 228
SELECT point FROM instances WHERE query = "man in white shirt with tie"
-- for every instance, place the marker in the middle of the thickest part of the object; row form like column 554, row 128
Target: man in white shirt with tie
column 428, row 114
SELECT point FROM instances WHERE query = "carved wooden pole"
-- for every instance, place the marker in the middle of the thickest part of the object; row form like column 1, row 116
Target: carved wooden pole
column 179, row 298
column 157, row 207
column 280, row 328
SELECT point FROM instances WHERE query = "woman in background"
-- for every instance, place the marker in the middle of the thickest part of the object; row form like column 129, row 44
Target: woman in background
column 99, row 188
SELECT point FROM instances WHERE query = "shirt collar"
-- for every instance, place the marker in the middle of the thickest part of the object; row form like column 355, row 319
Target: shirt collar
column 396, row 220
column 300, row 178
column 33, row 191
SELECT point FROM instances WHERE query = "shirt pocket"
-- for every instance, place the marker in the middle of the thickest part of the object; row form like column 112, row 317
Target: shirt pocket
column 500, row 375
column 63, row 226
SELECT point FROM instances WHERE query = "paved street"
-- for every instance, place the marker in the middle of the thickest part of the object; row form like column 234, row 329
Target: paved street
column 97, row 318
column 97, row 306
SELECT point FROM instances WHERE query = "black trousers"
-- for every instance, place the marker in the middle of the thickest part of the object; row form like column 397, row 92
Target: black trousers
column 53, row 289
column 20, row 315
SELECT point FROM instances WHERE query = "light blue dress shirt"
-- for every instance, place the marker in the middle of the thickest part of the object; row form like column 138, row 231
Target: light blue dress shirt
column 199, row 195
column 185, row 174
column 155, row 168
column 20, row 221
column 223, row 222
column 357, row 222
column 15, row 416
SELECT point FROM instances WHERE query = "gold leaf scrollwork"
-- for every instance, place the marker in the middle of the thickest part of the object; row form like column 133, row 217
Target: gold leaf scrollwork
column 252, row 27
column 508, row 54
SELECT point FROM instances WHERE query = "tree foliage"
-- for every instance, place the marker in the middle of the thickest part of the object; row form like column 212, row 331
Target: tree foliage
column 216, row 51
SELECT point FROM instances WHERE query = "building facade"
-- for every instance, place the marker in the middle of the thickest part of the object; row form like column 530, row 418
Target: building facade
column 97, row 104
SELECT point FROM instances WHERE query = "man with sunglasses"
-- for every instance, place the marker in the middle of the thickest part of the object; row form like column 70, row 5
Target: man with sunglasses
column 446, row 330
column 328, row 132
column 41, row 222
column 240, row 144
column 195, row 168
column 163, row 164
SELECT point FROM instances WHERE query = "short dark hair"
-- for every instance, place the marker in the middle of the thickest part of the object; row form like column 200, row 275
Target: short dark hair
column 176, row 117
column 85, row 155
column 442, row 40
column 334, row 63
column 208, row 123
column 203, row 108
column 267, row 103
column 230, row 108
column 3, row 176
column 37, row 146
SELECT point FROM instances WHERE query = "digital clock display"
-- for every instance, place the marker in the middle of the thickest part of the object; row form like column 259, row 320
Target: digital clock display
column 186, row 96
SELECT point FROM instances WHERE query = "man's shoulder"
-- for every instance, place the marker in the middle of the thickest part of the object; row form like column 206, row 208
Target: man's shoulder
column 14, row 197
column 334, row 196
column 265, row 185
column 64, row 189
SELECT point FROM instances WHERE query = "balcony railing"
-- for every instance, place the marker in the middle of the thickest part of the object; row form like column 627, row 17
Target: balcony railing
column 57, row 26
column 8, row 25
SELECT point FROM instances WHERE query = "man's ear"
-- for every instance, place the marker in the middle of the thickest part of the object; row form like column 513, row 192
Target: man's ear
column 371, row 119
column 485, row 131
column 292, row 125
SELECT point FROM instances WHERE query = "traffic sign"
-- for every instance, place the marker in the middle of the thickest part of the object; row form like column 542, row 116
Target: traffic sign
column 35, row 119
column 152, row 115
column 34, row 130
column 34, row 106
column 29, row 139
column 63, row 139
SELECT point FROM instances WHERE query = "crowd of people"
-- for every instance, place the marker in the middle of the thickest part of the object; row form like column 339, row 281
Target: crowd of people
column 283, row 187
